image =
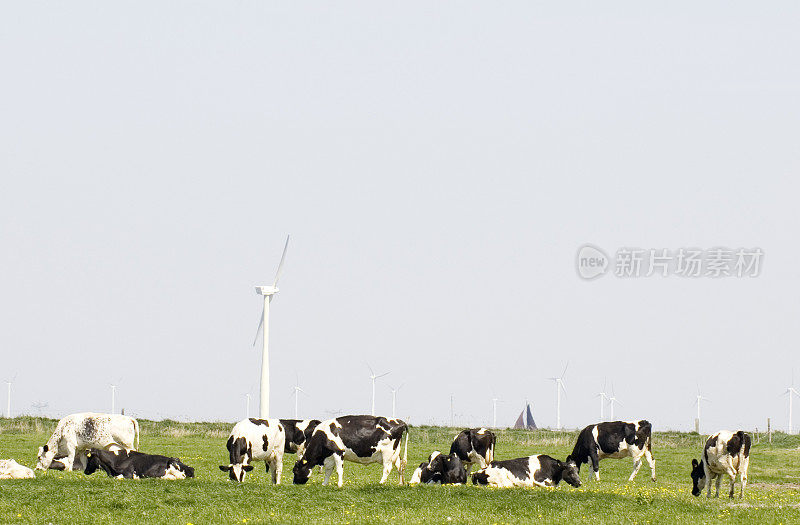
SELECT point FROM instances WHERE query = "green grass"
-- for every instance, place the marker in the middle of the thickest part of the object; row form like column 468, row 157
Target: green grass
column 773, row 495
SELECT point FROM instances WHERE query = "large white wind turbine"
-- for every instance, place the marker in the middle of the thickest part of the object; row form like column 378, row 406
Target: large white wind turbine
column 394, row 398
column 559, row 381
column 263, row 325
column 791, row 391
column 373, row 377
column 613, row 401
column 698, row 400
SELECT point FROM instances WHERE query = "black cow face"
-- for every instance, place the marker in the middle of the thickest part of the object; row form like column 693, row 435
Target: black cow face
column 698, row 478
column 235, row 472
column 570, row 473
column 302, row 471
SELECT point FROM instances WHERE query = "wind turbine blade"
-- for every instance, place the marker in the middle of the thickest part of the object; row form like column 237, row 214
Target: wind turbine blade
column 280, row 265
column 565, row 370
column 260, row 325
column 384, row 374
column 371, row 371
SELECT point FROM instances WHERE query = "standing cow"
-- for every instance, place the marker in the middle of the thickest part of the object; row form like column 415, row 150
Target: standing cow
column 474, row 446
column 298, row 432
column 361, row 439
column 78, row 432
column 614, row 439
column 255, row 440
column 725, row 452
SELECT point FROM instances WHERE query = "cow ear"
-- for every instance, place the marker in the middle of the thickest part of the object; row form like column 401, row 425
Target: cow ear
column 247, row 468
column 45, row 448
column 694, row 463
column 224, row 468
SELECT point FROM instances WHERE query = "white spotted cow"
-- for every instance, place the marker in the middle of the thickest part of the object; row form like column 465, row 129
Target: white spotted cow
column 298, row 432
column 77, row 433
column 614, row 439
column 10, row 469
column 255, row 440
column 361, row 439
column 725, row 453
column 533, row 471
column 474, row 446
column 440, row 470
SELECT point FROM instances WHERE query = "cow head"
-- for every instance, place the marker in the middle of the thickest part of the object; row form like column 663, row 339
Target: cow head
column 235, row 472
column 45, row 458
column 569, row 472
column 698, row 477
column 302, row 471
column 92, row 463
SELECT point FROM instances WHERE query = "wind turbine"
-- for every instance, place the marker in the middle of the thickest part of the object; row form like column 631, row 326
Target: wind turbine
column 559, row 381
column 613, row 401
column 113, row 397
column 603, row 398
column 790, row 391
column 9, row 382
column 394, row 398
column 699, row 399
column 247, row 405
column 296, row 393
column 373, row 377
column 263, row 325
column 494, row 411
column 39, row 406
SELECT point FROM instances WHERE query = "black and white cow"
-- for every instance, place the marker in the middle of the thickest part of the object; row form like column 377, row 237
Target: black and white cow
column 474, row 445
column 255, row 440
column 440, row 470
column 298, row 432
column 533, row 471
column 135, row 465
column 725, row 452
column 614, row 439
column 361, row 439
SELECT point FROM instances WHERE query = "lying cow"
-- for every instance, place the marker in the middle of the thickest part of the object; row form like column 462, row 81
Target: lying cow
column 440, row 470
column 10, row 469
column 361, row 439
column 539, row 471
column 255, row 440
column 725, row 452
column 135, row 465
column 614, row 439
column 474, row 446
column 298, row 432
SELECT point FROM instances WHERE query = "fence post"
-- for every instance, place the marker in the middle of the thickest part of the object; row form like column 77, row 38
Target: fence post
column 769, row 430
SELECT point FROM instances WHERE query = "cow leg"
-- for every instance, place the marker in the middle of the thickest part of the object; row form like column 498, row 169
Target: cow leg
column 637, row 464
column 650, row 461
column 69, row 459
column 398, row 463
column 276, row 465
column 339, row 461
column 329, row 465
column 719, row 482
column 387, row 469
column 743, row 472
column 595, row 463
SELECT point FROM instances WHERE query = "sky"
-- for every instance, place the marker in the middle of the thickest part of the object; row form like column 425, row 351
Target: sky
column 438, row 166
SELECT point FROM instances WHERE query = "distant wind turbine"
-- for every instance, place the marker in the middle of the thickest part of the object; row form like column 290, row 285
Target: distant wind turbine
column 394, row 398
column 113, row 398
column 494, row 411
column 790, row 392
column 263, row 325
column 698, row 400
column 9, row 382
column 559, row 381
column 296, row 393
column 373, row 377
column 613, row 401
column 603, row 398
column 39, row 406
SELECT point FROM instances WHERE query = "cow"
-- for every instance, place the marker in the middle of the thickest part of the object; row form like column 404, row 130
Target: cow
column 298, row 432
column 440, row 470
column 10, row 469
column 532, row 471
column 474, row 445
column 255, row 439
column 361, row 439
column 136, row 465
column 614, row 439
column 78, row 432
column 725, row 452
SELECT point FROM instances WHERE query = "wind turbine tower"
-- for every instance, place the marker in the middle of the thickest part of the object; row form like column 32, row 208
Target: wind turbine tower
column 263, row 324
column 297, row 391
column 698, row 401
column 559, row 381
column 373, row 377
column 613, row 401
column 791, row 391
column 394, row 399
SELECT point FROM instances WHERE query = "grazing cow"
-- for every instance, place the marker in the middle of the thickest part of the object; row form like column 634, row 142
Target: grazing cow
column 725, row 452
column 474, row 445
column 614, row 439
column 78, row 432
column 135, row 465
column 361, row 439
column 10, row 469
column 298, row 432
column 440, row 469
column 256, row 440
column 540, row 471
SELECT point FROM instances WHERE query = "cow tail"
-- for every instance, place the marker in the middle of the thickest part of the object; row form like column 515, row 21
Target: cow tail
column 404, row 461
column 135, row 434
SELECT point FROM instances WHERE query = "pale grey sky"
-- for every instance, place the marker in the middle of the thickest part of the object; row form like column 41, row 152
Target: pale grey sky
column 437, row 165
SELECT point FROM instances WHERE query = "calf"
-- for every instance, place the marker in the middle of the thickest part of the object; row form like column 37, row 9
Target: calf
column 440, row 469
column 298, row 432
column 361, row 439
column 10, row 469
column 725, row 452
column 474, row 445
column 255, row 440
column 614, row 439
column 540, row 471
column 135, row 465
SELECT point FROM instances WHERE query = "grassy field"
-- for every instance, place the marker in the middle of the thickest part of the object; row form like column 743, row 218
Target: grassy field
column 773, row 495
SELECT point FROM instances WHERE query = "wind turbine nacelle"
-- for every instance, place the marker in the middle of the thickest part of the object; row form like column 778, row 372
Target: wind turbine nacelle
column 266, row 290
